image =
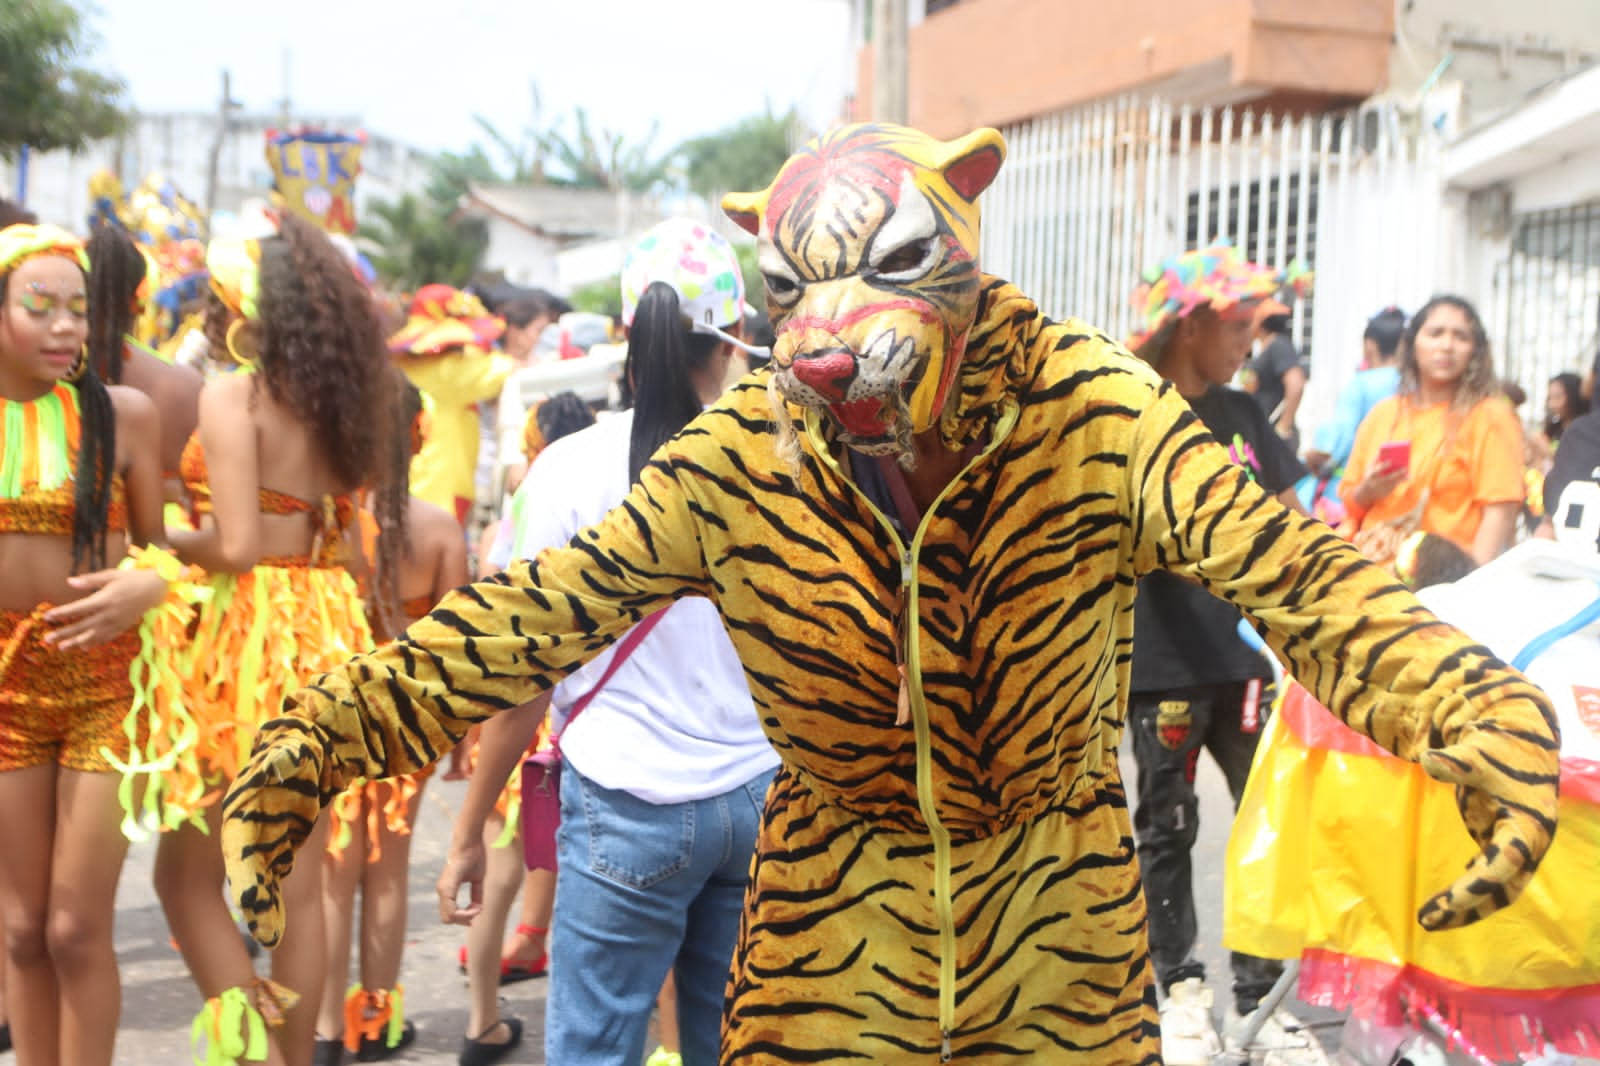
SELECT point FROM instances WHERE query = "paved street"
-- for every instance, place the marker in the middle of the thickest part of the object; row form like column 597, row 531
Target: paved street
column 160, row 1002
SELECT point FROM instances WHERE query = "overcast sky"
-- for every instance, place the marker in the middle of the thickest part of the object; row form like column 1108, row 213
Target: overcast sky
column 418, row 71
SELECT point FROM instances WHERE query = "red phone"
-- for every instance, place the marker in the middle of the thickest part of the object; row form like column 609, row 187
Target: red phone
column 1395, row 455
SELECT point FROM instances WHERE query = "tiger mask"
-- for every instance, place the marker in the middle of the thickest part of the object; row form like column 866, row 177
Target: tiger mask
column 868, row 243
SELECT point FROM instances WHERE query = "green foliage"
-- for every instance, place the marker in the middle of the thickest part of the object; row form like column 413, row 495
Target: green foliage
column 744, row 157
column 600, row 297
column 596, row 158
column 48, row 97
column 419, row 242
column 452, row 172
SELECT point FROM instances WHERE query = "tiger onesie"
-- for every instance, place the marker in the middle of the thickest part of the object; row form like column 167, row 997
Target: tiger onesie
column 946, row 868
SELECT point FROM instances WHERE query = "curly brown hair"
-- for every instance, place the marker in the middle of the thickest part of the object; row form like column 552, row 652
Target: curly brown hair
column 1478, row 382
column 321, row 356
column 320, row 350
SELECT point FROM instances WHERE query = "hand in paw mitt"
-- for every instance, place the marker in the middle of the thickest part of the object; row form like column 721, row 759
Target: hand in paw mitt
column 1505, row 767
column 268, row 813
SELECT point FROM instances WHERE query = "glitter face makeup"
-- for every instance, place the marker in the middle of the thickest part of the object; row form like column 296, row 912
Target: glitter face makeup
column 37, row 299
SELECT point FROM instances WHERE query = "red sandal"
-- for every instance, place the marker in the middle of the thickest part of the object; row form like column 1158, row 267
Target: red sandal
column 514, row 969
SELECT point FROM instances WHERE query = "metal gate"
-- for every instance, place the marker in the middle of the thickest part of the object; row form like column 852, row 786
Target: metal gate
column 1548, row 299
column 1092, row 195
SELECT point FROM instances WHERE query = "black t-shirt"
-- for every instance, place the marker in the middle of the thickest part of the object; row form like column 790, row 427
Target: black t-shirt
column 1577, row 459
column 1182, row 635
column 1275, row 360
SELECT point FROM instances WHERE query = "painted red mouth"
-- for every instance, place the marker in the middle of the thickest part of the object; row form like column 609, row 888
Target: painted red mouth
column 862, row 418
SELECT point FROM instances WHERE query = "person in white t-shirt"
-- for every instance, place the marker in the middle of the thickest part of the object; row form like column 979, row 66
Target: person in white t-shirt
column 666, row 770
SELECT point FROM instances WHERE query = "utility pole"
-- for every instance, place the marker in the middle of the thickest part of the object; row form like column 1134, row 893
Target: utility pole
column 889, row 63
column 224, row 120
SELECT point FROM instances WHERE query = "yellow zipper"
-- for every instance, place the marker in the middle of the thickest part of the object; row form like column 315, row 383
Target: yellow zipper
column 943, row 905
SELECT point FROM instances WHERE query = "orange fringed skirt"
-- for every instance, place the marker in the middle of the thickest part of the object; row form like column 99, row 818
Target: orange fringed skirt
column 378, row 806
column 259, row 638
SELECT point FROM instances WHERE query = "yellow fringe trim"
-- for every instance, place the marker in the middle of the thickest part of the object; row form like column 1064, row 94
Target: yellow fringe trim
column 234, row 1024
column 158, row 712
column 260, row 637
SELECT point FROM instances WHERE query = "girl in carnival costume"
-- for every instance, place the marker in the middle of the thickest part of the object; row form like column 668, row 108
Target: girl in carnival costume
column 78, row 484
column 284, row 603
column 369, row 844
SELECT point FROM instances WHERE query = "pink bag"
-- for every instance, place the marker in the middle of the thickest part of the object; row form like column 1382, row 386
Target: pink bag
column 541, row 771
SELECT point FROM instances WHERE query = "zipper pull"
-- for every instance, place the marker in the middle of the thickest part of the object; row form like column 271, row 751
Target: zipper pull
column 903, row 702
column 944, row 1048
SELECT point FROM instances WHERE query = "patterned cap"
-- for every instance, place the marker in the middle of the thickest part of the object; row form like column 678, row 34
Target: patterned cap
column 696, row 261
column 1217, row 277
column 442, row 319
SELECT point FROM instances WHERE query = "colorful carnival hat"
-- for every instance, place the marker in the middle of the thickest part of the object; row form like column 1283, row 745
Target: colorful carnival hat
column 24, row 241
column 442, row 319
column 696, row 261
column 1217, row 277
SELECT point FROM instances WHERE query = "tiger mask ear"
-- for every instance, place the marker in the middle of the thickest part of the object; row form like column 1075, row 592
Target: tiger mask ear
column 746, row 209
column 971, row 162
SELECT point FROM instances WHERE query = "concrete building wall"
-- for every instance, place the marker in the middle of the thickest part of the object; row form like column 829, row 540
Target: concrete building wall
column 992, row 62
column 178, row 146
column 1499, row 50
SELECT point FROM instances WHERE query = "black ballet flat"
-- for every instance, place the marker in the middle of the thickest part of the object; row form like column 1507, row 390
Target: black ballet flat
column 5, row 1038
column 481, row 1053
column 378, row 1050
column 327, row 1052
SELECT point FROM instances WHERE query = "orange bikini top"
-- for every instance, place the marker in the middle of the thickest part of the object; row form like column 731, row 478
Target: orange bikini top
column 39, row 443
column 330, row 515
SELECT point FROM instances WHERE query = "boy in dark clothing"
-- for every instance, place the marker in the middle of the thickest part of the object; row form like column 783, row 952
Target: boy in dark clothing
column 1195, row 683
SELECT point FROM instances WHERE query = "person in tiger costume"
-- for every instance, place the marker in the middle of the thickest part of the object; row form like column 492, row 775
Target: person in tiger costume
column 924, row 525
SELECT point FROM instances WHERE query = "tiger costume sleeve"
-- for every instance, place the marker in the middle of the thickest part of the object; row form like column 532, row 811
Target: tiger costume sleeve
column 1363, row 645
column 487, row 647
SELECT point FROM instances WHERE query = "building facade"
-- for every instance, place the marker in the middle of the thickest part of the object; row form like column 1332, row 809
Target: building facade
column 180, row 145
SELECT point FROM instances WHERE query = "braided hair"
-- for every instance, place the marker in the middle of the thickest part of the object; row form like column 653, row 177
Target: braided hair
column 394, row 534
column 116, row 269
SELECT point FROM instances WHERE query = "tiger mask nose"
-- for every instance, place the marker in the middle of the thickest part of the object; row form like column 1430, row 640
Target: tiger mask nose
column 828, row 373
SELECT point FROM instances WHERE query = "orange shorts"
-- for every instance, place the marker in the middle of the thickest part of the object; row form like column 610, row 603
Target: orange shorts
column 62, row 707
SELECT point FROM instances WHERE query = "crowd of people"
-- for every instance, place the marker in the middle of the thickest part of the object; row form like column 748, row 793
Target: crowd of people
column 834, row 681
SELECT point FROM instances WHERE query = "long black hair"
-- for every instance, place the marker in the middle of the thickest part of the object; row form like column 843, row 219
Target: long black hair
column 97, row 464
column 116, row 269
column 561, row 414
column 1572, row 386
column 662, row 356
column 1385, row 330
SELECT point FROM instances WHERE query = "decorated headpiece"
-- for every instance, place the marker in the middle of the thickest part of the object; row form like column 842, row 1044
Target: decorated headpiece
column 314, row 174
column 442, row 319
column 235, row 268
column 1217, row 277
column 868, row 241
column 24, row 241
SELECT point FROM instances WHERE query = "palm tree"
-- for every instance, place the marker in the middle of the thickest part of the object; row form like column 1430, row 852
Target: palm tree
column 418, row 242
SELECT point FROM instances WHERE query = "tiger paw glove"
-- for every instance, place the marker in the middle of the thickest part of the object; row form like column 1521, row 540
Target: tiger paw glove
column 269, row 811
column 1505, row 766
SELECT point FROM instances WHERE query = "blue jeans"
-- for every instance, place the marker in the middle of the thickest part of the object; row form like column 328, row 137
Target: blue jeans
column 643, row 889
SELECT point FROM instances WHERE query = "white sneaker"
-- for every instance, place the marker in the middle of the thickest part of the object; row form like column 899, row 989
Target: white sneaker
column 1188, row 1035
column 1283, row 1040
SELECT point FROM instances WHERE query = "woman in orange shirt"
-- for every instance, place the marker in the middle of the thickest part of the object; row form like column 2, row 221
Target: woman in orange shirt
column 1446, row 447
